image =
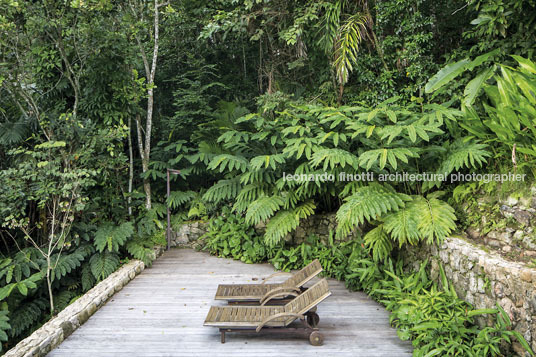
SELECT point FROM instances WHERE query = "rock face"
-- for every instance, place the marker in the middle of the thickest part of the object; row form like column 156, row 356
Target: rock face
column 188, row 233
column 321, row 225
column 483, row 279
column 52, row 333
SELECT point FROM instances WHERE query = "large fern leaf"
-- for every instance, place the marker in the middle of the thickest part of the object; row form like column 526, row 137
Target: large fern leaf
column 229, row 162
column 63, row 299
column 178, row 198
column 436, row 218
column 247, row 195
column 286, row 221
column 141, row 250
column 402, row 225
column 112, row 237
column 263, row 208
column 88, row 279
column 65, row 263
column 4, row 326
column 378, row 242
column 280, row 225
column 464, row 153
column 329, row 158
column 386, row 156
column 102, row 264
column 25, row 316
column 367, row 203
column 223, row 190
column 265, row 161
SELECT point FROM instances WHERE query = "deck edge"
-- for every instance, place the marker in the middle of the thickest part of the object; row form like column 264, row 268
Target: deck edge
column 54, row 331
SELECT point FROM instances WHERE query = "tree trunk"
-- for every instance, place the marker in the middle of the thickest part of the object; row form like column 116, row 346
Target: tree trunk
column 130, row 167
column 144, row 163
column 49, row 286
column 145, row 148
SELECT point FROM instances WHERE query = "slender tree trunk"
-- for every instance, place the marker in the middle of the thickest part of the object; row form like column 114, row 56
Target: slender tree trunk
column 130, row 167
column 49, row 286
column 145, row 147
column 144, row 163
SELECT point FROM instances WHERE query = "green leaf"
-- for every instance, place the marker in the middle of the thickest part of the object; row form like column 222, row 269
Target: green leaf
column 446, row 74
column 23, row 289
column 481, row 312
column 367, row 203
column 474, row 86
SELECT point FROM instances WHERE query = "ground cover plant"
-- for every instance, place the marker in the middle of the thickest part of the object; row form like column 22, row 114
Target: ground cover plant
column 429, row 314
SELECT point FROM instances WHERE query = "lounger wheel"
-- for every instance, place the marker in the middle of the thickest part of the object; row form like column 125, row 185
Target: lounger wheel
column 313, row 319
column 316, row 338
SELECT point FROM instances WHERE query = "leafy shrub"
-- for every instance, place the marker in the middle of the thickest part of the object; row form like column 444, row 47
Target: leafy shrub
column 230, row 236
column 504, row 114
column 436, row 321
column 253, row 152
column 333, row 256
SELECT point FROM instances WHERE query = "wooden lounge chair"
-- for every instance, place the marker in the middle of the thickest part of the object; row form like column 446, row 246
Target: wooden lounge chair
column 272, row 318
column 269, row 293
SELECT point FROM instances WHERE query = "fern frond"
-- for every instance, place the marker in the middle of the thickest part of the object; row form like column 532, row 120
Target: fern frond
column 464, row 153
column 257, row 176
column 26, row 316
column 263, row 208
column 436, row 218
column 88, row 279
column 178, row 198
column 379, row 242
column 286, row 221
column 402, row 225
column 333, row 157
column 111, row 237
column 384, row 156
column 247, row 195
column 233, row 136
column 266, row 161
column 66, row 263
column 367, row 203
column 223, row 190
column 229, row 162
column 347, row 44
column 12, row 133
column 102, row 264
column 305, row 210
column 412, row 131
column 63, row 299
column 279, row 226
column 141, row 250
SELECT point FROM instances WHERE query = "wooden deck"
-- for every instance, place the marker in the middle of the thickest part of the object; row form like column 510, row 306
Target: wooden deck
column 161, row 313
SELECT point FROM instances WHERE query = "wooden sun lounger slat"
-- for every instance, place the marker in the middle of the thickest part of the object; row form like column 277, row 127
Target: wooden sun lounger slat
column 251, row 316
column 255, row 292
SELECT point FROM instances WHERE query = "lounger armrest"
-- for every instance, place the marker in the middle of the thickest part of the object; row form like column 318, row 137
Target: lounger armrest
column 281, row 291
column 276, row 316
column 274, row 274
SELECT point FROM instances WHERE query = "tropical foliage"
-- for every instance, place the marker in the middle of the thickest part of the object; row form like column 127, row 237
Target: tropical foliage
column 250, row 99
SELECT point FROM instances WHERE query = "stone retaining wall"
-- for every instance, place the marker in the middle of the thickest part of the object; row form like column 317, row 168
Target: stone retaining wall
column 188, row 233
column 52, row 333
column 484, row 278
column 319, row 224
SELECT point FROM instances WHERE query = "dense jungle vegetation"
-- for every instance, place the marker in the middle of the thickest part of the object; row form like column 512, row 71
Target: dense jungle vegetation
column 99, row 98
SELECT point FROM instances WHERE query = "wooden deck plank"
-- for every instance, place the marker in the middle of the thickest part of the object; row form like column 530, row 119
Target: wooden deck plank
column 161, row 313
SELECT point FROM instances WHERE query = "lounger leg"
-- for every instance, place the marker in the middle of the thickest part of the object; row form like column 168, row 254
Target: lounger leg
column 222, row 336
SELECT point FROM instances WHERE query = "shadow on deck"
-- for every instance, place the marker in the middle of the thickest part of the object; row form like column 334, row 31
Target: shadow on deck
column 161, row 313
